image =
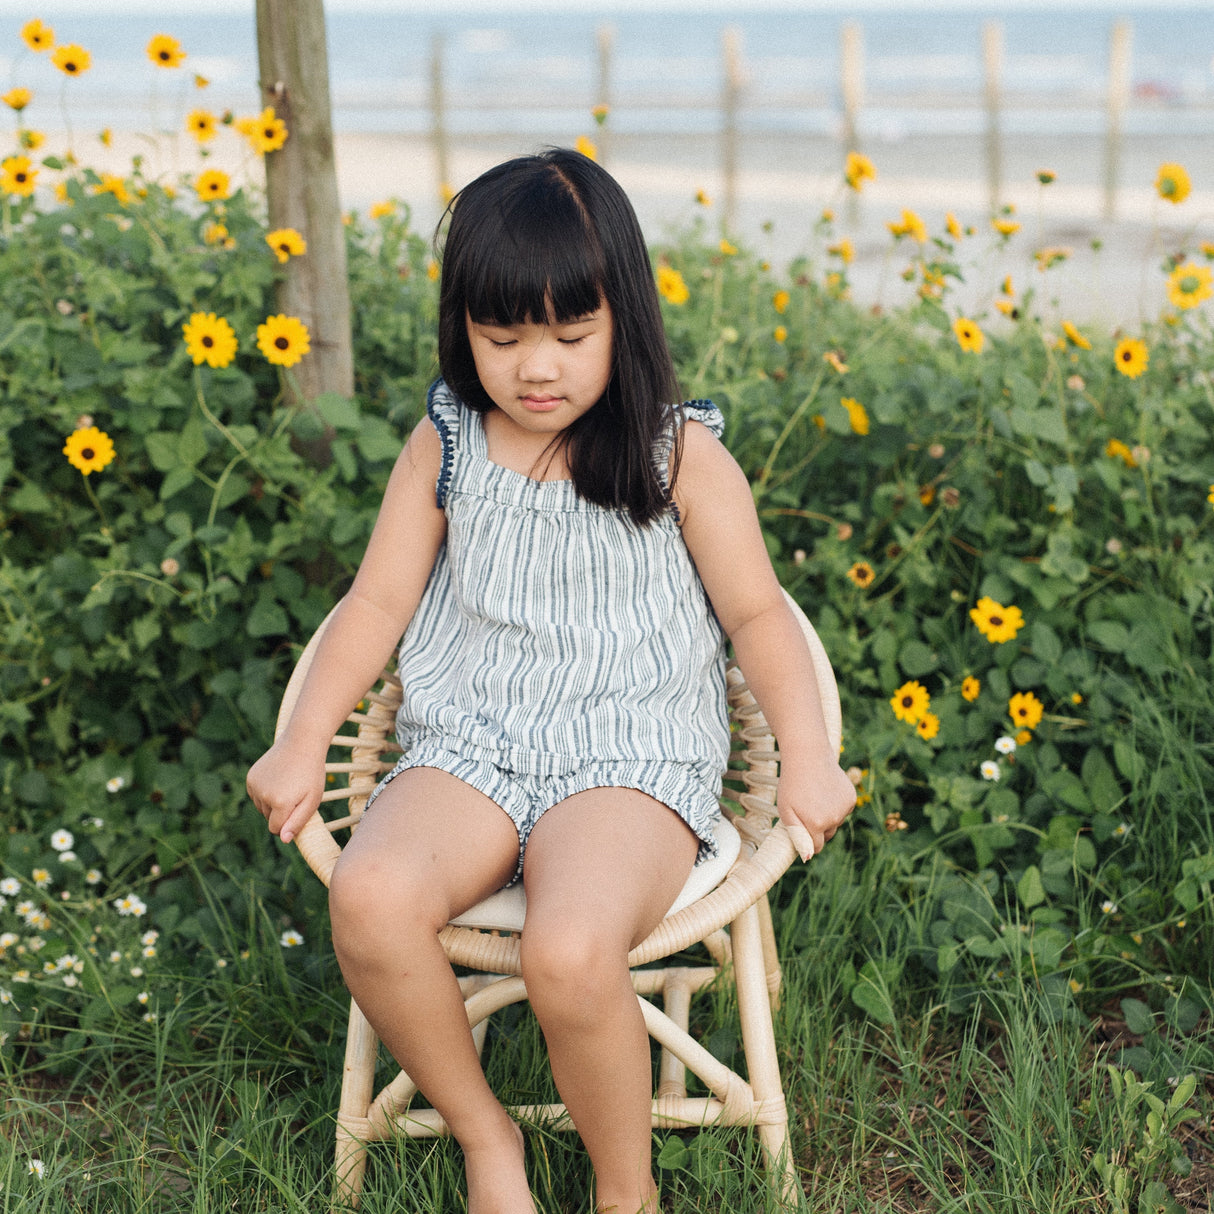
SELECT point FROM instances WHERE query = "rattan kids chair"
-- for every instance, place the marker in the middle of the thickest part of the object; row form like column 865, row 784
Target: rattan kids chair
column 723, row 906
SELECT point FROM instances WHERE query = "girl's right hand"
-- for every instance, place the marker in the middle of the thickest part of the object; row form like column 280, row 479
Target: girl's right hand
column 286, row 786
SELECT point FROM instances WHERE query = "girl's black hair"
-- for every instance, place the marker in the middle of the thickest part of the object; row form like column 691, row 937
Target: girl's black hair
column 556, row 231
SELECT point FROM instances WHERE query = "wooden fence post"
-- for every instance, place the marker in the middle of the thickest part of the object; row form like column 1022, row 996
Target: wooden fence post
column 605, row 41
column 851, row 86
column 301, row 188
column 1120, row 45
column 992, row 63
column 438, row 120
column 731, row 96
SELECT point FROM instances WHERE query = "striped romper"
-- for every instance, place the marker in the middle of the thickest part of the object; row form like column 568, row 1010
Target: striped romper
column 558, row 646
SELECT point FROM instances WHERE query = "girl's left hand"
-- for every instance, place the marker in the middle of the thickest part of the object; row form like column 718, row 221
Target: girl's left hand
column 813, row 805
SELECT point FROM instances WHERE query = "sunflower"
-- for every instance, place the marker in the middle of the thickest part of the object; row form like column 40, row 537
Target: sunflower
column 209, row 339
column 1074, row 336
column 857, row 415
column 381, row 210
column 671, row 286
column 996, row 622
column 969, row 337
column 1025, row 709
column 1189, row 284
column 780, row 301
column 952, row 225
column 214, row 185
column 910, row 701
column 857, row 170
column 927, row 726
column 286, row 243
column 862, row 574
column 1005, row 227
column 586, row 146
column 38, row 37
column 1116, row 449
column 970, row 687
column 202, row 124
column 1131, row 357
column 780, row 333
column 17, row 176
column 111, row 183
column 265, row 133
column 17, row 99
column 164, row 51
column 845, row 251
column 727, row 248
column 283, row 340
column 1172, row 183
column 909, row 225
column 71, row 60
column 88, row 449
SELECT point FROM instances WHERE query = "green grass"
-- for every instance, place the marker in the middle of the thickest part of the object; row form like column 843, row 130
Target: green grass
column 225, row 1104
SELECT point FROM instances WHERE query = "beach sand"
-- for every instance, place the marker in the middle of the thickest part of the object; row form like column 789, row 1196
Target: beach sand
column 783, row 185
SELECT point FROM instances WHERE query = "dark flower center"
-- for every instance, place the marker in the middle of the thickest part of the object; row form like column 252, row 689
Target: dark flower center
column 282, row 343
column 997, row 620
column 208, row 341
column 87, row 453
column 907, row 701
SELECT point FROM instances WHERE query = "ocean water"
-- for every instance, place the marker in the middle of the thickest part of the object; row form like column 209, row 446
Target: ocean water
column 531, row 72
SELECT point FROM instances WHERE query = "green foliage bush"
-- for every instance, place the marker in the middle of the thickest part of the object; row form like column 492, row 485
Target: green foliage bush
column 151, row 610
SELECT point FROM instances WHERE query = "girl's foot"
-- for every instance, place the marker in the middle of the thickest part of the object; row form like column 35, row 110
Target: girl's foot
column 648, row 1205
column 497, row 1179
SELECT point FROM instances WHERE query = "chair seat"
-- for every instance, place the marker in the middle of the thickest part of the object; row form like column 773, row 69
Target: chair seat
column 505, row 910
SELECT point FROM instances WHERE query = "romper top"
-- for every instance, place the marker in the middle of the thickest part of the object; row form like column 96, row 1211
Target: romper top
column 554, row 632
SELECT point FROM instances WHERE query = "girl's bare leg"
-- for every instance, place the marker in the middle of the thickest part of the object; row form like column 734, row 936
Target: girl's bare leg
column 601, row 870
column 430, row 848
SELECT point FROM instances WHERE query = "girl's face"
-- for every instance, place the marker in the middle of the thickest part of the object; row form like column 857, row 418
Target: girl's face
column 543, row 377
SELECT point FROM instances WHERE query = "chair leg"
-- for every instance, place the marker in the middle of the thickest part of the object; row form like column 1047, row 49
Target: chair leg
column 771, row 958
column 353, row 1126
column 762, row 1063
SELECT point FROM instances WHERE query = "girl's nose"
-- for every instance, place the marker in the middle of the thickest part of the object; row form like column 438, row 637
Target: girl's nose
column 539, row 361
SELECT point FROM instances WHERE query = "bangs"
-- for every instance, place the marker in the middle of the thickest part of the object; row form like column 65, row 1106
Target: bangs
column 534, row 253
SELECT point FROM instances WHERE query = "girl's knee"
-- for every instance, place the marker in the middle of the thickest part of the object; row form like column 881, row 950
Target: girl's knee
column 571, row 974
column 369, row 902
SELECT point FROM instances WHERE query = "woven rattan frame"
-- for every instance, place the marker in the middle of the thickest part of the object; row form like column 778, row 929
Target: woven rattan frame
column 733, row 922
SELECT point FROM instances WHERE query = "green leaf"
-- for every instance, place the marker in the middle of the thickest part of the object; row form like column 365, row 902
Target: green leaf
column 267, row 617
column 1138, row 1016
column 673, row 1154
column 917, row 659
column 1029, row 888
column 871, row 992
column 341, row 412
column 1110, row 634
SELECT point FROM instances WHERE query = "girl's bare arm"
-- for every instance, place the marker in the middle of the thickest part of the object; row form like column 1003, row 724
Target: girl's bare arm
column 721, row 529
column 286, row 782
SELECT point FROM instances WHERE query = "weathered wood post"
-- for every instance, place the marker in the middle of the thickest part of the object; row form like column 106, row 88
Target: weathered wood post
column 992, row 64
column 851, row 86
column 604, row 38
column 731, row 97
column 1120, row 46
column 301, row 186
column 438, row 119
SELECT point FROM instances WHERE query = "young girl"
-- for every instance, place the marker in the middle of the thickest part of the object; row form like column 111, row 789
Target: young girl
column 564, row 551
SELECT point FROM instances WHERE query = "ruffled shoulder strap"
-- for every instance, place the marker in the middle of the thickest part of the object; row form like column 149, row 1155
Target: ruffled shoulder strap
column 443, row 409
column 703, row 411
